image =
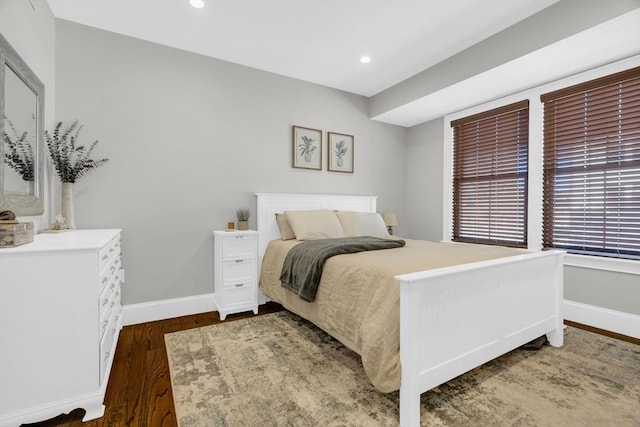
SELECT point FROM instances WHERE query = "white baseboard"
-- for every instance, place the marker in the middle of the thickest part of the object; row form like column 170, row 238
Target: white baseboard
column 167, row 309
column 602, row 318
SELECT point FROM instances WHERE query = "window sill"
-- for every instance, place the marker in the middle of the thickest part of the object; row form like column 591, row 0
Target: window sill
column 602, row 263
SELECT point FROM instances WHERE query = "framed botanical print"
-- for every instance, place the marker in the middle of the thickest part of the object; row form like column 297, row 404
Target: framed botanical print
column 340, row 152
column 307, row 148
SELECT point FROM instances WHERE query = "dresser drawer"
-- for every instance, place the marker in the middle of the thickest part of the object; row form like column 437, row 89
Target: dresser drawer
column 109, row 281
column 109, row 272
column 105, row 300
column 107, row 343
column 109, row 301
column 108, row 252
column 238, row 270
column 239, row 247
column 238, row 294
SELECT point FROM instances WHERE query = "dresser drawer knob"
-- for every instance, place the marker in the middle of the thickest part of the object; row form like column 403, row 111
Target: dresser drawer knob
column 239, row 237
column 239, row 261
column 239, row 285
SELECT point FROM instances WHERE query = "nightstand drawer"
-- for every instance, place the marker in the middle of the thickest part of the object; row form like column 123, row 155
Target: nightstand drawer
column 238, row 270
column 239, row 247
column 236, row 294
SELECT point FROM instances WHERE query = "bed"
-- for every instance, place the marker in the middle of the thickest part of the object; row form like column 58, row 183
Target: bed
column 452, row 318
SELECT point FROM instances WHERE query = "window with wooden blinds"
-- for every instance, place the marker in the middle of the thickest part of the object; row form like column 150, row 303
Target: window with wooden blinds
column 490, row 171
column 591, row 187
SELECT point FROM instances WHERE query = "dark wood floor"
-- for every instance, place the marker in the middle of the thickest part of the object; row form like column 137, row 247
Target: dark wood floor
column 139, row 390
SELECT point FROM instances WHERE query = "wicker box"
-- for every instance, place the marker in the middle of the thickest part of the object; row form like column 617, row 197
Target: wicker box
column 15, row 234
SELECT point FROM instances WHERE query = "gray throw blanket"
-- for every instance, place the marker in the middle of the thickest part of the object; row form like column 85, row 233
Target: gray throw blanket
column 303, row 265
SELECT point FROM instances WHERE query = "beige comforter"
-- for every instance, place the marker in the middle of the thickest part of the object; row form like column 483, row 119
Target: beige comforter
column 358, row 300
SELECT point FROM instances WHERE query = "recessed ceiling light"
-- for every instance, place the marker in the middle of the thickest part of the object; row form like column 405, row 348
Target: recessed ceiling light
column 197, row 3
column 365, row 59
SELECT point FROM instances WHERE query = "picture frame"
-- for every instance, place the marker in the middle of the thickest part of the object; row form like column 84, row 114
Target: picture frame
column 341, row 152
column 307, row 148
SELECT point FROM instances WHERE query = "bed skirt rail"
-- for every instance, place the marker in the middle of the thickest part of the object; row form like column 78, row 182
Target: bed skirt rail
column 456, row 318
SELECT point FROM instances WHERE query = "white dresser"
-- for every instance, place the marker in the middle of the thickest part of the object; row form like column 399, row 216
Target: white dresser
column 235, row 272
column 60, row 318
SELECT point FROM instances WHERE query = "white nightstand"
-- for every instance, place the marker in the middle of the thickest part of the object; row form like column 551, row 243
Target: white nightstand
column 235, row 255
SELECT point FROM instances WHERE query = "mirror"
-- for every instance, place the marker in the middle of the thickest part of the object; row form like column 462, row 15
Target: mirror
column 21, row 128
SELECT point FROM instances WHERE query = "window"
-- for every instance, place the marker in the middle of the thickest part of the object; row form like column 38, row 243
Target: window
column 591, row 188
column 490, row 174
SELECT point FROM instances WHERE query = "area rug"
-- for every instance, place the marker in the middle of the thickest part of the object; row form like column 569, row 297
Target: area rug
column 280, row 370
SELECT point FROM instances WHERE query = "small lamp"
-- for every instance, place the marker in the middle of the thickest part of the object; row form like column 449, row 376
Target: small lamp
column 391, row 220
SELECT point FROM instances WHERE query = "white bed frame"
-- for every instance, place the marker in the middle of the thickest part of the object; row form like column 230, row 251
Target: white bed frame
column 456, row 318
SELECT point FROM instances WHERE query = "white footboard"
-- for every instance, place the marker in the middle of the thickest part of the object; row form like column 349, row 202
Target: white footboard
column 456, row 318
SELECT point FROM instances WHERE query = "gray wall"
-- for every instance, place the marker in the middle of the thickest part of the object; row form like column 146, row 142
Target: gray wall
column 606, row 289
column 31, row 32
column 190, row 139
column 424, row 181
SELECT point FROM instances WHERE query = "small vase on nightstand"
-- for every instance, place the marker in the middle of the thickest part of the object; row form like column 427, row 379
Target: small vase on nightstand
column 243, row 225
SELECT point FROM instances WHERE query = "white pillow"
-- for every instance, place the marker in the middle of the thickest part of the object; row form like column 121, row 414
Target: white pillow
column 363, row 224
column 314, row 225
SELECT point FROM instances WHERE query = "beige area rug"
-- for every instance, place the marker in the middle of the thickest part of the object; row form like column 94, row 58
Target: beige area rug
column 279, row 370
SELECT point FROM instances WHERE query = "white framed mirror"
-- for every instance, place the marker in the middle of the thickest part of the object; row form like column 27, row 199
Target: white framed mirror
column 22, row 132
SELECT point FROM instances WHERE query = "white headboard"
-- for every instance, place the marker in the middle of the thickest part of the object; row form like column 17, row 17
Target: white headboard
column 269, row 204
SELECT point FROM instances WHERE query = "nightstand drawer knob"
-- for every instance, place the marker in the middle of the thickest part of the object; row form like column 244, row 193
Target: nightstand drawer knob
column 239, row 237
column 239, row 285
column 239, row 260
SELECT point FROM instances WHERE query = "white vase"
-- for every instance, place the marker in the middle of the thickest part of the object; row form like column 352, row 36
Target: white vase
column 68, row 207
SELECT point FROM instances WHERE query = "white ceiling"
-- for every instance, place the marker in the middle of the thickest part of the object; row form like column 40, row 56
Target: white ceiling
column 319, row 41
